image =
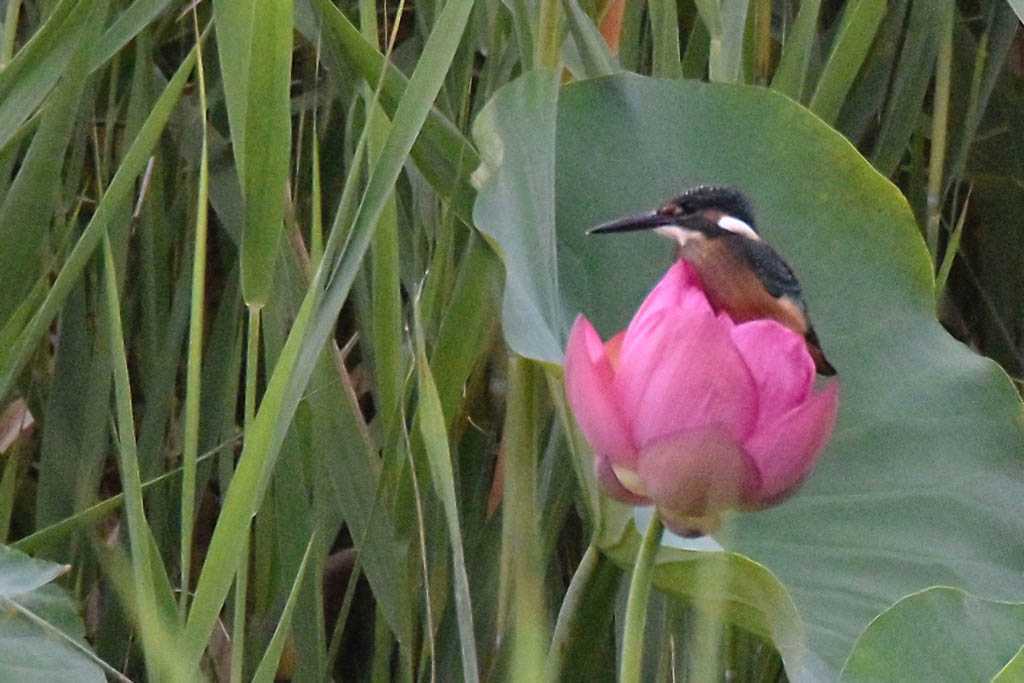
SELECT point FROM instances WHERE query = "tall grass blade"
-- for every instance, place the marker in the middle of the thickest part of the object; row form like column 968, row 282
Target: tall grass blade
column 18, row 318
column 29, row 77
column 864, row 104
column 952, row 249
column 152, row 627
column 791, row 74
column 116, row 197
column 313, row 325
column 28, row 204
column 696, row 55
column 666, row 57
column 49, row 535
column 549, row 34
column 850, row 47
column 523, row 20
column 194, row 362
column 435, row 440
column 520, row 530
column 989, row 62
column 385, row 285
column 128, row 24
column 726, row 22
column 255, row 39
column 267, row 669
column 468, row 322
column 442, row 153
column 910, row 84
column 597, row 60
column 729, row 65
column 940, row 127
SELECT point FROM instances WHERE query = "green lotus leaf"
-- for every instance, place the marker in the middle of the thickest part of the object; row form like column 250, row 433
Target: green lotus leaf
column 941, row 634
column 41, row 635
column 922, row 482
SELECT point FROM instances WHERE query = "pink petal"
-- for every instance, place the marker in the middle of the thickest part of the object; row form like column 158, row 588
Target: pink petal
column 679, row 288
column 611, row 485
column 590, row 386
column 680, row 372
column 780, row 363
column 697, row 473
column 785, row 451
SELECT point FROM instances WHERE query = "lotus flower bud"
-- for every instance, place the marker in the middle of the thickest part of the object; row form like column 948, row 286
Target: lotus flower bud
column 695, row 413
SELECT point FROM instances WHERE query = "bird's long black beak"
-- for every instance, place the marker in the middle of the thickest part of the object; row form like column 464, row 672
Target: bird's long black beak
column 643, row 221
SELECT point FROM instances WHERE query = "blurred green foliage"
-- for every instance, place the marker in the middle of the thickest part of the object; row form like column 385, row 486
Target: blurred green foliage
column 321, row 422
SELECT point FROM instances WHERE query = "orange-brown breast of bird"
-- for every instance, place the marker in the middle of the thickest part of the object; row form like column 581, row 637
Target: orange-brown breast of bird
column 731, row 286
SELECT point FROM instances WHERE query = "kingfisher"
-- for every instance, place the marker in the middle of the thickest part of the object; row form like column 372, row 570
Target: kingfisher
column 713, row 228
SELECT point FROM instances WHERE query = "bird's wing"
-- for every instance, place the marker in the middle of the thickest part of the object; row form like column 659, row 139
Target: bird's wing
column 773, row 271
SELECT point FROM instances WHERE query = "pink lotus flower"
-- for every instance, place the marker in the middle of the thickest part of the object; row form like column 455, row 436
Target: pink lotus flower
column 695, row 413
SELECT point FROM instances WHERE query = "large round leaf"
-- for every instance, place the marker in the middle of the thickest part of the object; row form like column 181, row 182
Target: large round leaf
column 922, row 483
column 943, row 634
column 41, row 636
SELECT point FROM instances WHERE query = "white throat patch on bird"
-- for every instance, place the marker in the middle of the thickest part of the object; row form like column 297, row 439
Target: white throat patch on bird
column 681, row 236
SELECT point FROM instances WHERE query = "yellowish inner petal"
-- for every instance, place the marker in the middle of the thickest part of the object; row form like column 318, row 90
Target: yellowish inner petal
column 630, row 479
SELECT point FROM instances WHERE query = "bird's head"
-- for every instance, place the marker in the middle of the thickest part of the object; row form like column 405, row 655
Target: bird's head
column 705, row 211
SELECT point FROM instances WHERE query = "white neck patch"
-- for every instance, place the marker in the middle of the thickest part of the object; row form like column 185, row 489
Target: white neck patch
column 680, row 235
column 733, row 224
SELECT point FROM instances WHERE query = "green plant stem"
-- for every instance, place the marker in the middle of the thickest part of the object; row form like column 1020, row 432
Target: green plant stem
column 252, row 359
column 940, row 119
column 636, row 606
column 548, row 34
column 139, row 532
column 316, row 240
column 8, row 485
column 951, row 251
column 238, row 616
column 762, row 41
column 195, row 349
column 520, row 526
column 10, row 33
column 571, row 603
column 665, row 59
column 342, row 619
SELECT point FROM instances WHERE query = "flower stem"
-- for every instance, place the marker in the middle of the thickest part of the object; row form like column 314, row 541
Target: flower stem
column 636, row 606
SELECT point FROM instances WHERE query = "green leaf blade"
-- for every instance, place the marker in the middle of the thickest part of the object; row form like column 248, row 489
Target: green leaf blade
column 859, row 23
column 313, row 325
column 256, row 57
column 118, row 193
column 435, row 440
